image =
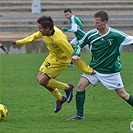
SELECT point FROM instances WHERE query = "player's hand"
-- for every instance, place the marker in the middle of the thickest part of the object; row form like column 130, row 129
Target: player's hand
column 64, row 29
column 74, row 59
column 13, row 42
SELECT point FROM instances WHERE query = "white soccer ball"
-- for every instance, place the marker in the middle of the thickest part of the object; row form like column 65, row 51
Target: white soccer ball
column 3, row 111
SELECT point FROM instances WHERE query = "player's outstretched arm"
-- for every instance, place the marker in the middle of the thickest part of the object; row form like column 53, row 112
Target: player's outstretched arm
column 81, row 64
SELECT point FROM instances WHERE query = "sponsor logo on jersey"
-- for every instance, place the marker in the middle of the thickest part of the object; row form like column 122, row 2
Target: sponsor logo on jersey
column 110, row 41
column 47, row 64
column 102, row 39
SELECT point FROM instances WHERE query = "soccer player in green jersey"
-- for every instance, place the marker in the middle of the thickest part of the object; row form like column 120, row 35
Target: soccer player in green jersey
column 105, row 44
column 76, row 27
column 60, row 54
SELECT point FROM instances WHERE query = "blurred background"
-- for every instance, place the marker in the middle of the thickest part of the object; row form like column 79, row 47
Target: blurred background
column 18, row 19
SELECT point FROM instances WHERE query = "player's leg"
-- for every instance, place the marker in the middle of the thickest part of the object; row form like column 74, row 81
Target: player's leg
column 53, row 70
column 50, row 69
column 114, row 82
column 80, row 99
column 68, row 88
column 43, row 79
column 3, row 49
column 124, row 95
column 84, row 81
column 51, row 83
column 80, row 95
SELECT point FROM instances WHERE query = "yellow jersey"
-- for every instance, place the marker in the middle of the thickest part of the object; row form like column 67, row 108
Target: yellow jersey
column 57, row 44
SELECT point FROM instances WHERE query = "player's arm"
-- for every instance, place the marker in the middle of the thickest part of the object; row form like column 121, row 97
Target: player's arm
column 74, row 28
column 81, row 64
column 127, row 41
column 76, row 59
column 28, row 39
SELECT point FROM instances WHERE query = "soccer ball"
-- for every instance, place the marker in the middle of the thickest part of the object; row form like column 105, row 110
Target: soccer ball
column 3, row 111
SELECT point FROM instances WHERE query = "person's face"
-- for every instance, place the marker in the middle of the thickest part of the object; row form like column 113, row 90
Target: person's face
column 68, row 15
column 99, row 24
column 44, row 32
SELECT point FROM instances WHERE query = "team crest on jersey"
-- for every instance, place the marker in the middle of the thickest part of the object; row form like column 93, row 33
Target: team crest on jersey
column 52, row 44
column 110, row 41
column 47, row 64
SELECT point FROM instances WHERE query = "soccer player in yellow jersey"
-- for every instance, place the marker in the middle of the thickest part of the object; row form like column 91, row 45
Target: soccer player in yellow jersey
column 60, row 53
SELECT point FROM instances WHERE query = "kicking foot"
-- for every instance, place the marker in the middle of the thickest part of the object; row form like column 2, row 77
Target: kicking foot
column 59, row 104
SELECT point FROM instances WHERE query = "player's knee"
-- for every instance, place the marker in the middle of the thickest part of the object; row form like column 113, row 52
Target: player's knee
column 38, row 80
column 124, row 96
column 80, row 87
column 41, row 81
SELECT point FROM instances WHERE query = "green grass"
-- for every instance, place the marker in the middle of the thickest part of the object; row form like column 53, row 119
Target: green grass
column 31, row 106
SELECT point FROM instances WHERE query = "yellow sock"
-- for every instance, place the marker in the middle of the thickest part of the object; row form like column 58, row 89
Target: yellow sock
column 57, row 94
column 56, row 84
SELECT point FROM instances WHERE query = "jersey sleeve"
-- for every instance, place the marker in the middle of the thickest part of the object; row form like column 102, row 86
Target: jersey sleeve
column 29, row 39
column 128, row 41
column 74, row 28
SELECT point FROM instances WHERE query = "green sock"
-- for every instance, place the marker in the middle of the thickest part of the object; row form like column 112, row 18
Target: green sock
column 80, row 99
column 130, row 100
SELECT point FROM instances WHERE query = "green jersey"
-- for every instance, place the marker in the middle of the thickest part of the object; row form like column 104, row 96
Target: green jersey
column 76, row 27
column 105, row 49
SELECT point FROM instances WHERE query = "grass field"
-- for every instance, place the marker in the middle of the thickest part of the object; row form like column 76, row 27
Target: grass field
column 31, row 106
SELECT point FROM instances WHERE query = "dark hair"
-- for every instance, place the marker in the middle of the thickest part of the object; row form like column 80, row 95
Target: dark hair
column 46, row 21
column 102, row 14
column 68, row 10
